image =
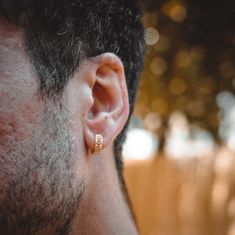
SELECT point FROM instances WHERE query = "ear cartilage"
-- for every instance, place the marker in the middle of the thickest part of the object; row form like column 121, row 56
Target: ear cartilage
column 99, row 140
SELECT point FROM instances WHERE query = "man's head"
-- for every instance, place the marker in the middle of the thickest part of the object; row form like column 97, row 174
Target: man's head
column 67, row 71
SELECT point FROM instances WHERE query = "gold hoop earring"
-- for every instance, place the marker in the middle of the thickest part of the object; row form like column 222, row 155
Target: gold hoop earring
column 99, row 140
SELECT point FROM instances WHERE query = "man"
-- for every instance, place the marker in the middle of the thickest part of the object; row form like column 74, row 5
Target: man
column 69, row 72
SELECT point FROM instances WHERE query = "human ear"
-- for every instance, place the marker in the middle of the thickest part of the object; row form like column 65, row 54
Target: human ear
column 108, row 109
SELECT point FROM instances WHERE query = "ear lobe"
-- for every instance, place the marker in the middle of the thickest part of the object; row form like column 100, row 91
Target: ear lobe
column 110, row 107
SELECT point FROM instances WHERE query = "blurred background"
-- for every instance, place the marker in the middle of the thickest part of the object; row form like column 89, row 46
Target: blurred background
column 180, row 148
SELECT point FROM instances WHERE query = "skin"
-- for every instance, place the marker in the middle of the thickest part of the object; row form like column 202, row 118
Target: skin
column 49, row 177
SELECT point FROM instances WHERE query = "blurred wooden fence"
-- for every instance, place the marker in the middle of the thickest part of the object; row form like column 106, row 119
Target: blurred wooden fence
column 184, row 197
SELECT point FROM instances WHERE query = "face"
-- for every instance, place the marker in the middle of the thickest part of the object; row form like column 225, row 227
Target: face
column 41, row 176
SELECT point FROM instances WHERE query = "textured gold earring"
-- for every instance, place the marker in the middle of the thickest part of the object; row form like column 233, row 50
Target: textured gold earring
column 99, row 140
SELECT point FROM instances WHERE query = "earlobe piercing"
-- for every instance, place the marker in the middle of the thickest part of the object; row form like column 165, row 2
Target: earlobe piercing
column 99, row 140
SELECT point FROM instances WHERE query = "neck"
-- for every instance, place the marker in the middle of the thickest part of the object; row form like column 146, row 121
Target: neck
column 103, row 210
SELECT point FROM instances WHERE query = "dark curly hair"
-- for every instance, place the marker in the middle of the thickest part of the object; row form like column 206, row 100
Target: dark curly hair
column 60, row 34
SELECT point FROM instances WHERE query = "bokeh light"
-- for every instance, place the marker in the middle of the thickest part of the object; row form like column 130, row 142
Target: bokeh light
column 181, row 143
column 158, row 66
column 140, row 144
column 177, row 12
column 151, row 36
column 226, row 102
column 177, row 86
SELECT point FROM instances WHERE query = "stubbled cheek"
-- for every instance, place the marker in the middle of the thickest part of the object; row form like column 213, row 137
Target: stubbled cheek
column 9, row 125
column 18, row 118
